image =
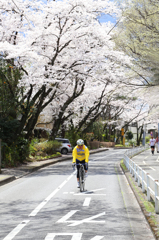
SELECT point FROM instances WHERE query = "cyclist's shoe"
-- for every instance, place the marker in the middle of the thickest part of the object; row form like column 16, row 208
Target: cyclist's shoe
column 78, row 185
column 86, row 175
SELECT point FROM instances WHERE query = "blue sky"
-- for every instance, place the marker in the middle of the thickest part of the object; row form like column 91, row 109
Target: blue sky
column 106, row 18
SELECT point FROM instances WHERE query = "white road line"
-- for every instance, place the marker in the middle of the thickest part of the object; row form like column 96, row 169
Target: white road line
column 73, row 223
column 86, row 202
column 146, row 157
column 152, row 169
column 97, row 238
column 67, row 216
column 95, row 190
column 16, row 230
column 75, row 236
column 88, row 220
column 91, row 194
column 42, row 204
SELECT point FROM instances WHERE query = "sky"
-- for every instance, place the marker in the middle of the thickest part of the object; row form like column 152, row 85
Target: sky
column 106, row 18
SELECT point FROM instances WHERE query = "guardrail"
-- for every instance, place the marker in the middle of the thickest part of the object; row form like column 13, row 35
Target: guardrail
column 143, row 178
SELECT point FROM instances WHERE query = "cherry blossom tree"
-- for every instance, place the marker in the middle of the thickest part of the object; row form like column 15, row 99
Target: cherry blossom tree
column 70, row 69
column 51, row 43
column 137, row 36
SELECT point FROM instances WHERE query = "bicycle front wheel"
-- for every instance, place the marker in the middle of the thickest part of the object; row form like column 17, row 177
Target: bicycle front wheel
column 81, row 180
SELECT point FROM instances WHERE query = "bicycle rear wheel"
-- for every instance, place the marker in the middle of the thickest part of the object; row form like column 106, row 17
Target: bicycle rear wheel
column 81, row 180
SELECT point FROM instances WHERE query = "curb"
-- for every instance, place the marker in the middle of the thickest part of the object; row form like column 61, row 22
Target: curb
column 7, row 180
column 149, row 216
column 30, row 169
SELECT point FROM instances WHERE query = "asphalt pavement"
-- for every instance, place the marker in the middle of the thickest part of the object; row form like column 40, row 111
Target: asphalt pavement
column 146, row 160
column 48, row 205
column 9, row 174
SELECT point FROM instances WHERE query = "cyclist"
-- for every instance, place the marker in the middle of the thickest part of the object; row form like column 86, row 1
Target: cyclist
column 80, row 155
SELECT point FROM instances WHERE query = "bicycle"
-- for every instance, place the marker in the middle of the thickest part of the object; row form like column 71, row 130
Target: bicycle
column 81, row 177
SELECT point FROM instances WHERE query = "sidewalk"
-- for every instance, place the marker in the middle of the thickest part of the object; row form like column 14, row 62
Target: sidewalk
column 9, row 174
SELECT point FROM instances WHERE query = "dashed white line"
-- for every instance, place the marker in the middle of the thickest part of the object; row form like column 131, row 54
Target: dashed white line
column 86, row 202
column 42, row 204
column 16, row 230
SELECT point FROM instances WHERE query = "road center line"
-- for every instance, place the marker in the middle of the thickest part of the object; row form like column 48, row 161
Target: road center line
column 86, row 202
column 42, row 204
column 16, row 230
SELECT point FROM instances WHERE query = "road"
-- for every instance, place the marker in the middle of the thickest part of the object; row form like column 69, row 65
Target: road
column 47, row 205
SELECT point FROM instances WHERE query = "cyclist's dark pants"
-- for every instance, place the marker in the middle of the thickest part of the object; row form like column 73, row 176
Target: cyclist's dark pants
column 82, row 162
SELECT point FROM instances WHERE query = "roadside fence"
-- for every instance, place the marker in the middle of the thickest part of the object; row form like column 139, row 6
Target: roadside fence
column 148, row 184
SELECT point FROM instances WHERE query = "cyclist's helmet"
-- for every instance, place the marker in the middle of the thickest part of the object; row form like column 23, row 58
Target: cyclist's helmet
column 80, row 142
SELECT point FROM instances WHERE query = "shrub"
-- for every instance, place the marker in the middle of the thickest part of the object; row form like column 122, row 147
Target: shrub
column 129, row 135
column 48, row 147
column 132, row 142
column 147, row 139
column 15, row 153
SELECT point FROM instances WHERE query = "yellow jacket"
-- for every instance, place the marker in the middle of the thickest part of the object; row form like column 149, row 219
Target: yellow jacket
column 80, row 154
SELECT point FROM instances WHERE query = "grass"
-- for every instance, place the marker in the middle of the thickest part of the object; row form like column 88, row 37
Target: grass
column 40, row 158
column 123, row 165
column 120, row 145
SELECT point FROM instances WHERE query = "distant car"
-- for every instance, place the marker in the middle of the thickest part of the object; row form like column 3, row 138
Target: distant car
column 66, row 145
